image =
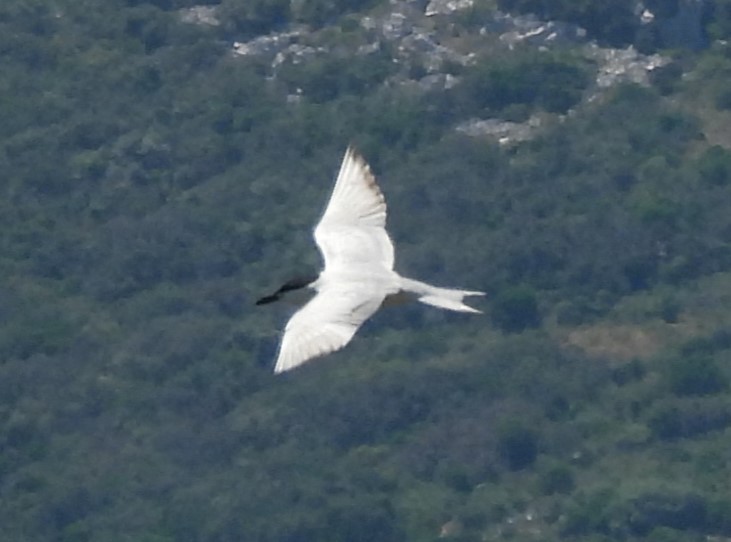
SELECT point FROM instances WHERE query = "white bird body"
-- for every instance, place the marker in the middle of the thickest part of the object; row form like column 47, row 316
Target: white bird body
column 358, row 276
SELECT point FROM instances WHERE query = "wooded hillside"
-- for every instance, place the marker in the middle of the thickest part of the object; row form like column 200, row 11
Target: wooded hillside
column 155, row 183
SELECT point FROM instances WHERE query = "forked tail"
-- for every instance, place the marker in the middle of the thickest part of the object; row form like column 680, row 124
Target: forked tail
column 444, row 298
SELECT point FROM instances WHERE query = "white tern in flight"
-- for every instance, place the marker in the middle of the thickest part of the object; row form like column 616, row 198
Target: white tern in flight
column 358, row 276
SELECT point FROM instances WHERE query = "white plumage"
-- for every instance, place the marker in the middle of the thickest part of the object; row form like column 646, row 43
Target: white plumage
column 358, row 274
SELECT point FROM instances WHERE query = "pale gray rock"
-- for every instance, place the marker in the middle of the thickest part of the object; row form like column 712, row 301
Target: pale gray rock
column 623, row 65
column 263, row 45
column 396, row 26
column 445, row 7
column 295, row 54
column 529, row 29
column 202, row 15
column 437, row 81
column 505, row 132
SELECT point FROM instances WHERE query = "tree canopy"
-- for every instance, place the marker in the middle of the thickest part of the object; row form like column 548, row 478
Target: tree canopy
column 155, row 184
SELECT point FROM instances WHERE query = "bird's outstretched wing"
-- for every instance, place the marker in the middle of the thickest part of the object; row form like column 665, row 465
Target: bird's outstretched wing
column 352, row 231
column 325, row 324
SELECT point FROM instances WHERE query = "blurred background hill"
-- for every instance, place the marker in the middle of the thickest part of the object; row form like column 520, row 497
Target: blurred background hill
column 163, row 163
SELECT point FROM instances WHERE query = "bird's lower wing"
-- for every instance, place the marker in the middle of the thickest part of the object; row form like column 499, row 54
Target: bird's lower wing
column 325, row 324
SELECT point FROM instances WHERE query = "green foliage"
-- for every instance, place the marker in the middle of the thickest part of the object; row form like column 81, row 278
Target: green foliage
column 662, row 514
column 669, row 310
column 516, row 309
column 663, row 8
column 589, row 513
column 614, row 22
column 674, row 511
column 154, row 185
column 714, row 166
column 719, row 19
column 723, row 100
column 673, row 419
column 550, row 81
column 327, row 78
column 255, row 17
column 258, row 17
column 320, row 12
column 667, row 79
column 558, row 479
column 695, row 375
column 517, row 445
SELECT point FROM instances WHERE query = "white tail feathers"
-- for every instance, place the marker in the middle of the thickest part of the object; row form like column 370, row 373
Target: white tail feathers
column 452, row 303
column 444, row 298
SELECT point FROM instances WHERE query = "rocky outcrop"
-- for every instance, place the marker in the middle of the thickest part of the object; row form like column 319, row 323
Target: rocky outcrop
column 203, row 15
column 623, row 65
column 445, row 7
column 266, row 45
column 531, row 30
column 503, row 131
column 420, row 36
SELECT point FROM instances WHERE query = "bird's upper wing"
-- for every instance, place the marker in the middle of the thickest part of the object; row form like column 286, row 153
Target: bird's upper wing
column 352, row 231
column 326, row 323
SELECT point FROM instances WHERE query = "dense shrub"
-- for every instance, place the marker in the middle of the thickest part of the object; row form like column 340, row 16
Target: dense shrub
column 558, row 479
column 718, row 19
column 154, row 185
column 714, row 166
column 686, row 418
column 694, row 375
column 517, row 445
column 676, row 511
column 516, row 309
column 545, row 80
column 614, row 23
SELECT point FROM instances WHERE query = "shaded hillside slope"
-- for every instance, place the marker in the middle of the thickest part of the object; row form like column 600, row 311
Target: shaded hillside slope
column 155, row 183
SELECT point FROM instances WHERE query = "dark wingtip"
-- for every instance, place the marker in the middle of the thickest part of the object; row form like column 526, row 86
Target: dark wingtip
column 267, row 299
column 298, row 282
